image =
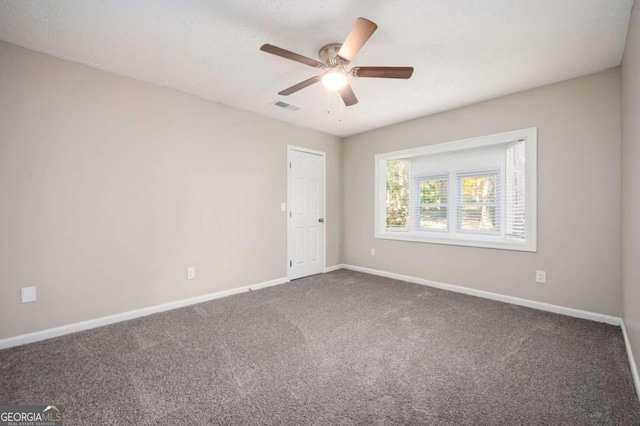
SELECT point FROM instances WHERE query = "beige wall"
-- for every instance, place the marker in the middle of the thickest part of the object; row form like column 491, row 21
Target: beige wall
column 579, row 244
column 631, row 184
column 110, row 188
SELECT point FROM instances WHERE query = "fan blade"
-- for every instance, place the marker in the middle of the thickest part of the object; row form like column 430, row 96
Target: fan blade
column 348, row 96
column 382, row 72
column 299, row 86
column 358, row 36
column 274, row 50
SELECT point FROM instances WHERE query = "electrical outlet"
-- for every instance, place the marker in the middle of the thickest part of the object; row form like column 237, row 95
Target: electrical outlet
column 373, row 252
column 28, row 294
column 283, row 207
column 191, row 273
column 541, row 277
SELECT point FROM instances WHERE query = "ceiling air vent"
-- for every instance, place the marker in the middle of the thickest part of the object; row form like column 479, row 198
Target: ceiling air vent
column 285, row 105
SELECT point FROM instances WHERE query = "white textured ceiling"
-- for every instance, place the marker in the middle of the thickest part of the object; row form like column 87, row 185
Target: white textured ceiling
column 463, row 51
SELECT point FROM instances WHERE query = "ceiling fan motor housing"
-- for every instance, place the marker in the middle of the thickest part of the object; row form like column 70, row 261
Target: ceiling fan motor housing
column 329, row 52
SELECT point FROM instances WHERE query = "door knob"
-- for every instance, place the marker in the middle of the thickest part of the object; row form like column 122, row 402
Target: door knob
column 321, row 220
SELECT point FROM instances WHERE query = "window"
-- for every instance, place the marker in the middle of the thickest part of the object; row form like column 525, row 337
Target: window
column 432, row 209
column 514, row 191
column 397, row 185
column 479, row 202
column 477, row 192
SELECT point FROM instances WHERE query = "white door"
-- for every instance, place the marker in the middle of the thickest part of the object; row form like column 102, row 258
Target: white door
column 306, row 213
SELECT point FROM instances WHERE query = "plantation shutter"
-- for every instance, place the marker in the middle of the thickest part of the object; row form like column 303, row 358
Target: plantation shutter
column 515, row 191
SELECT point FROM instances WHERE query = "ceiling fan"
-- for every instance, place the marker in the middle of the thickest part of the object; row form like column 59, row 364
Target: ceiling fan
column 334, row 59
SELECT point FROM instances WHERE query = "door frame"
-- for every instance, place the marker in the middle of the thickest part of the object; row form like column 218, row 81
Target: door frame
column 323, row 155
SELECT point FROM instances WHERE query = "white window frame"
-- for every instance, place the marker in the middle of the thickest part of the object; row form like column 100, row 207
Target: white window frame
column 529, row 244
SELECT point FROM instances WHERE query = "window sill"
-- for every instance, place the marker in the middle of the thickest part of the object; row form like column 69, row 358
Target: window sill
column 493, row 243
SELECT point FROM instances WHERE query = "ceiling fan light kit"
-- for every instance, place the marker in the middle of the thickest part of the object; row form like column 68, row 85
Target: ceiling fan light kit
column 335, row 57
column 334, row 79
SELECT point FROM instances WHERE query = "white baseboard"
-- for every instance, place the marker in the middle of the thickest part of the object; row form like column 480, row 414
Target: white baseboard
column 632, row 363
column 111, row 319
column 334, row 267
column 99, row 322
column 493, row 296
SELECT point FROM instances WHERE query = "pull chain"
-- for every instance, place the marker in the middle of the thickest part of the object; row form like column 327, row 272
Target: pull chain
column 339, row 104
column 328, row 101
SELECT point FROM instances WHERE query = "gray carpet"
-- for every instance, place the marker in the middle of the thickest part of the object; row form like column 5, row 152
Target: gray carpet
column 342, row 348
